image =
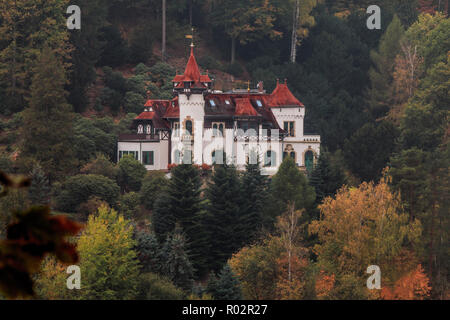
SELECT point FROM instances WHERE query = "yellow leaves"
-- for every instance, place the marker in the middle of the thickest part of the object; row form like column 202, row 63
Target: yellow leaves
column 363, row 225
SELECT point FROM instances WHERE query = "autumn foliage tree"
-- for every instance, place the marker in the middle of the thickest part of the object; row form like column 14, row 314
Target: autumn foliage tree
column 361, row 227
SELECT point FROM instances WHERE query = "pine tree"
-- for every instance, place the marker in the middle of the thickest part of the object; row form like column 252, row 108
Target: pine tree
column 47, row 130
column 288, row 187
column 163, row 219
column 326, row 178
column 39, row 190
column 226, row 286
column 149, row 252
column 223, row 219
column 381, row 75
column 26, row 28
column 177, row 266
column 182, row 204
column 87, row 50
column 254, row 187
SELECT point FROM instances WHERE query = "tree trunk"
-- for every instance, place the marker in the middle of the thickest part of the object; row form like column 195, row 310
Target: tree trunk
column 294, row 31
column 13, row 79
column 163, row 46
column 190, row 12
column 233, row 50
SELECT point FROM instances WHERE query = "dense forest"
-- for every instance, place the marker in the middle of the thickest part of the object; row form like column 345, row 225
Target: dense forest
column 378, row 195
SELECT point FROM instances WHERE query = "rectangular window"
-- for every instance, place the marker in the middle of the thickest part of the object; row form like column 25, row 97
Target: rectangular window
column 289, row 127
column 135, row 154
column 148, row 158
column 176, row 129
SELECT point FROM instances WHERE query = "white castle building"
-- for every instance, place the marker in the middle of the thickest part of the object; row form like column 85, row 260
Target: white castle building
column 203, row 126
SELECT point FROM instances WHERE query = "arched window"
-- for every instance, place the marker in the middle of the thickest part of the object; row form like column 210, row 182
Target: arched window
column 270, row 159
column 309, row 160
column 189, row 126
column 292, row 154
column 140, row 129
column 148, row 129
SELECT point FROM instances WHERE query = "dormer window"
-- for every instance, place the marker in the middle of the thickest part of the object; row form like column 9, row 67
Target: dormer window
column 212, row 103
column 258, row 103
column 227, row 102
column 140, row 129
column 175, row 84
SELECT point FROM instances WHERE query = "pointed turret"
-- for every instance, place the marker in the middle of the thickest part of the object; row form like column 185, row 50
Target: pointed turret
column 191, row 81
column 283, row 97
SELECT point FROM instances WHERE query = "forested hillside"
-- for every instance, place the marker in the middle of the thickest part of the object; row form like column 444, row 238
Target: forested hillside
column 378, row 195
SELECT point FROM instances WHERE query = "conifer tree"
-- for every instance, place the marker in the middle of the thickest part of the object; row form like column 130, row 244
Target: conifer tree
column 149, row 252
column 177, row 266
column 39, row 190
column 47, row 130
column 288, row 187
column 223, row 219
column 326, row 178
column 182, row 204
column 226, row 286
column 254, row 187
column 381, row 75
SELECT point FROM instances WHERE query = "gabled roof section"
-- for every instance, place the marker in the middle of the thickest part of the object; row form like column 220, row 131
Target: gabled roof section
column 173, row 110
column 245, row 108
column 155, row 110
column 283, row 97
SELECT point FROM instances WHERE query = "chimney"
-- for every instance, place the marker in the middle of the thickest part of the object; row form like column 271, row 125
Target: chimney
column 260, row 87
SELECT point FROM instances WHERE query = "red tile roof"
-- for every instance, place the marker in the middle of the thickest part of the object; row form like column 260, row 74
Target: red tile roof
column 282, row 96
column 173, row 110
column 244, row 107
column 192, row 74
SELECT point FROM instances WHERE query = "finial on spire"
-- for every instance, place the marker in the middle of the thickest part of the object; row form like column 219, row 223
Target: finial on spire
column 278, row 81
column 192, row 38
column 248, row 85
column 285, row 81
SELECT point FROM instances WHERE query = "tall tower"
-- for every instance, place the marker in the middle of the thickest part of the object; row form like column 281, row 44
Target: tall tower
column 191, row 88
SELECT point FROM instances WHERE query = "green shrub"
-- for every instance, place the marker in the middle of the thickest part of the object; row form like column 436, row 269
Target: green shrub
column 133, row 102
column 80, row 188
column 208, row 62
column 129, row 205
column 156, row 287
column 101, row 165
column 141, row 69
column 153, row 185
column 131, row 173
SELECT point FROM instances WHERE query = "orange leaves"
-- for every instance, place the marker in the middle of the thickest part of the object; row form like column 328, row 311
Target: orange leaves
column 294, row 288
column 324, row 284
column 412, row 286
